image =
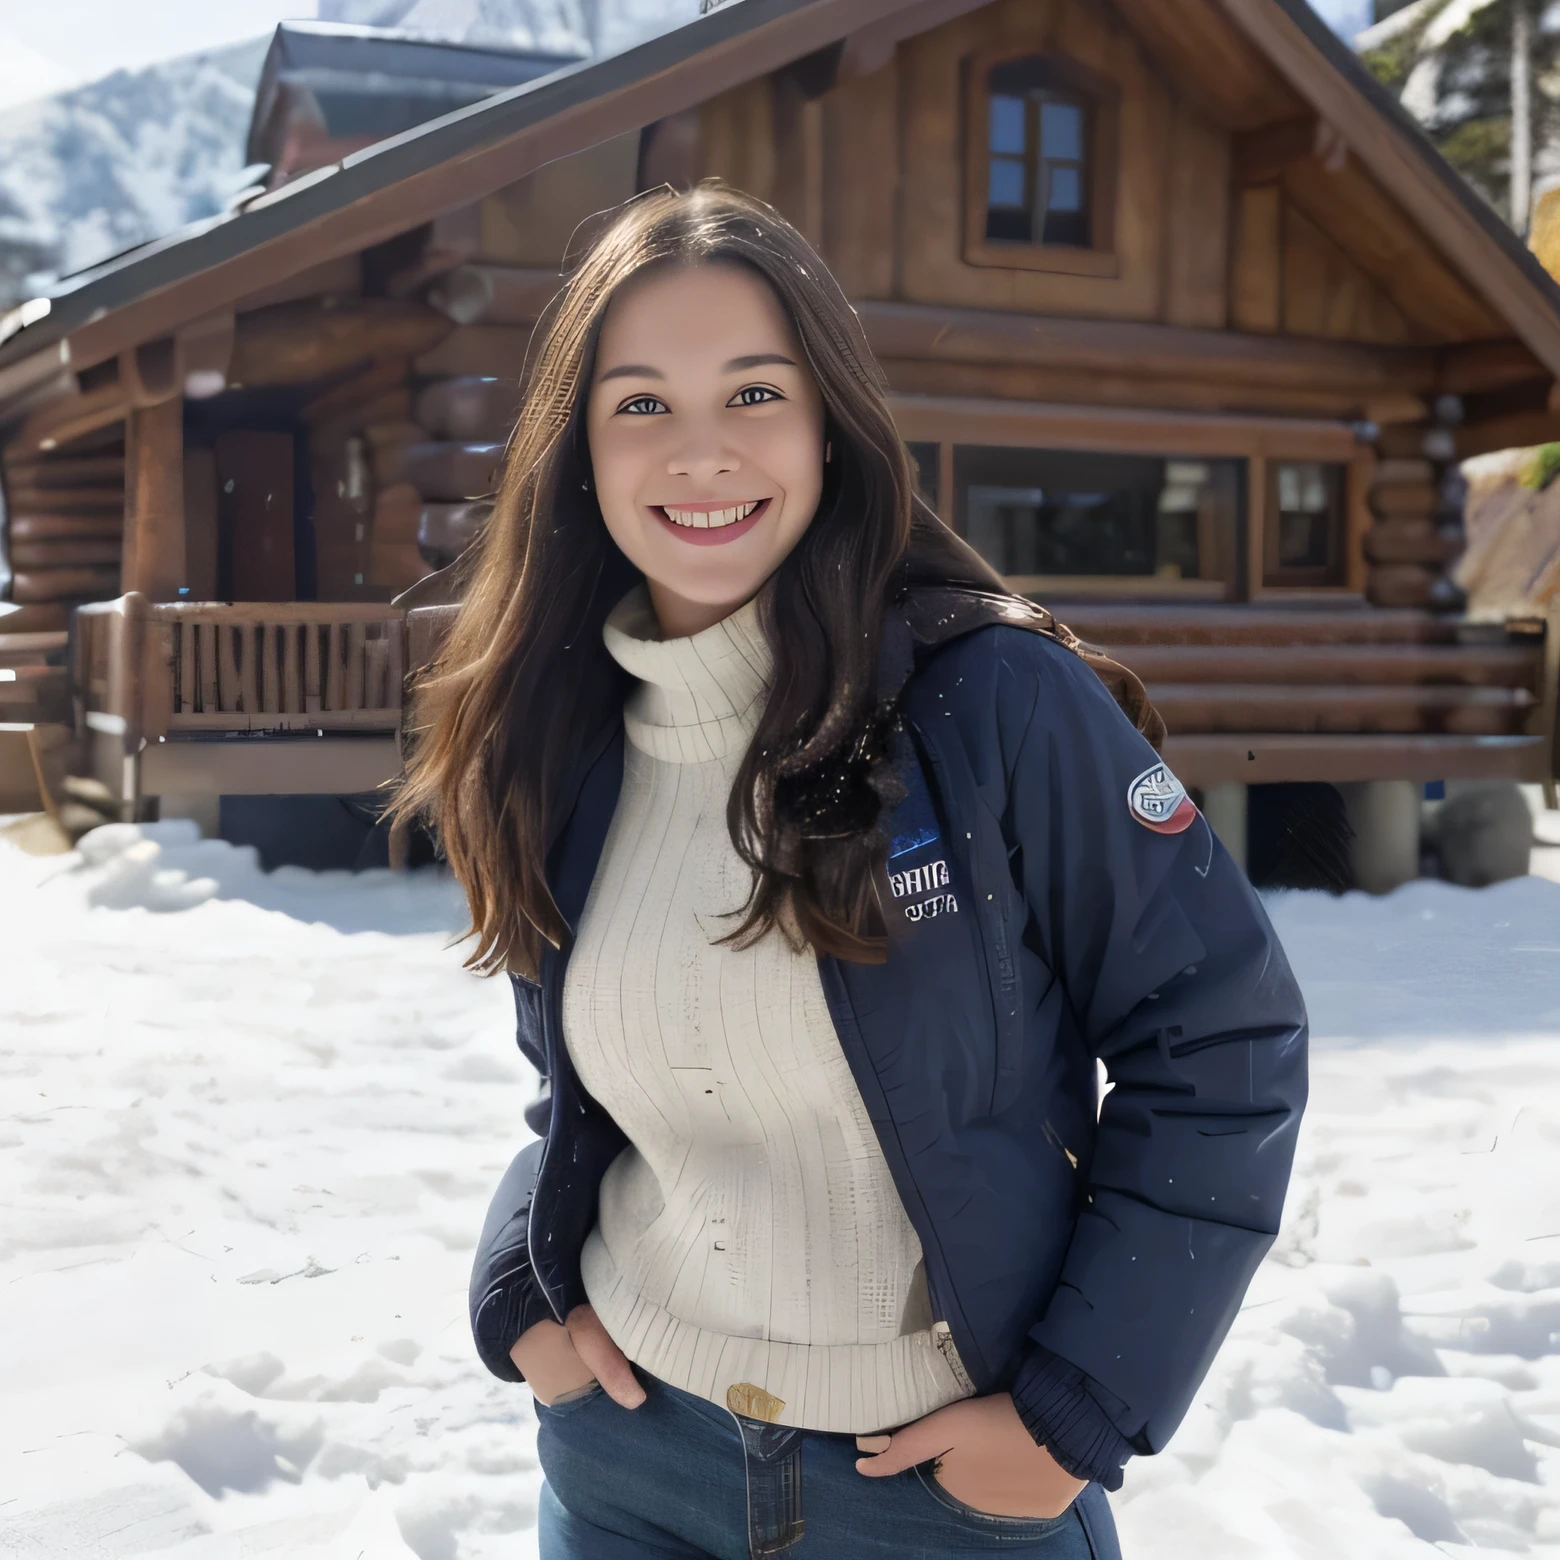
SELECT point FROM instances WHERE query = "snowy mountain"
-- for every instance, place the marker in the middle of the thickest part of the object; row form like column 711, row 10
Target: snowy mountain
column 100, row 168
column 90, row 172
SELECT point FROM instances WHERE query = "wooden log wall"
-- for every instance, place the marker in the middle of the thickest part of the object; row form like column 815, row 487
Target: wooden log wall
column 1318, row 671
column 1415, row 535
column 66, row 529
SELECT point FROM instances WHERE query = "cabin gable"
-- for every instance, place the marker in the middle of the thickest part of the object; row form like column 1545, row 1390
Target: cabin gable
column 1231, row 205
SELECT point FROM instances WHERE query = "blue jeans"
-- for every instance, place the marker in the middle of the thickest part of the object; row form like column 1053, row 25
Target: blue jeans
column 666, row 1481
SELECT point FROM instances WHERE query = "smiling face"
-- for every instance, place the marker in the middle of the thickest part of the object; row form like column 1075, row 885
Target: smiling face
column 706, row 437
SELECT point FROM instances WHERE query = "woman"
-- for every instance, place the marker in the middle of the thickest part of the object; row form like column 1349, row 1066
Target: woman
column 827, row 872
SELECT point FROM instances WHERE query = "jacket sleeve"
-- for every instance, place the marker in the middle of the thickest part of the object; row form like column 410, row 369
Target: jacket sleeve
column 505, row 1298
column 1176, row 981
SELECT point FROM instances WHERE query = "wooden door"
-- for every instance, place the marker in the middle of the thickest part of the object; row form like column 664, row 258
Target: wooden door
column 255, row 515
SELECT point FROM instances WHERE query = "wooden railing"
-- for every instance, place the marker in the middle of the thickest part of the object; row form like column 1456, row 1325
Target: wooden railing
column 147, row 670
column 287, row 667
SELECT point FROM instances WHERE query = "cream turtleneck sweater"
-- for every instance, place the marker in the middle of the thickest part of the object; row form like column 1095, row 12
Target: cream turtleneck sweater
column 750, row 1232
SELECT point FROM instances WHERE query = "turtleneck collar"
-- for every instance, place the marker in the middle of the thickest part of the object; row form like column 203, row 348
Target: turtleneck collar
column 699, row 698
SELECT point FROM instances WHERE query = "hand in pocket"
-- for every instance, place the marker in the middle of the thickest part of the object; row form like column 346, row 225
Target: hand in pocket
column 986, row 1458
column 555, row 1359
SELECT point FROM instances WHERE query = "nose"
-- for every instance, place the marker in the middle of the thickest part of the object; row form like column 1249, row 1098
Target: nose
column 703, row 460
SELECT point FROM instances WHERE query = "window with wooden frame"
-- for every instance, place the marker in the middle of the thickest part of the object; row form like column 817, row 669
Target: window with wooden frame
column 1040, row 154
column 1102, row 522
column 1304, row 534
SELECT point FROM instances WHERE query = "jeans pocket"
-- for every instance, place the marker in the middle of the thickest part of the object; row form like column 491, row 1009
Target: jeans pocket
column 570, row 1401
column 988, row 1521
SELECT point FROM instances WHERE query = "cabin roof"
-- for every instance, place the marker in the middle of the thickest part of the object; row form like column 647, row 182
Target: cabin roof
column 373, row 81
column 446, row 163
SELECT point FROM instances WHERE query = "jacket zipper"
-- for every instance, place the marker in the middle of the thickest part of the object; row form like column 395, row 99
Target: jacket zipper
column 942, row 1336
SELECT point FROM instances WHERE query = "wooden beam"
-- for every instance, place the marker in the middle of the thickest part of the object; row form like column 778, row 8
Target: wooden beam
column 1407, row 540
column 1400, row 584
column 1505, row 433
column 453, row 471
column 71, row 417
column 28, row 500
column 1255, row 758
column 65, row 552
column 494, row 294
column 48, row 527
column 1480, row 710
column 1469, row 366
column 299, row 343
column 909, row 330
column 299, row 765
column 1139, row 623
column 1496, row 665
column 149, row 371
column 1095, row 387
column 378, row 394
column 489, row 351
column 153, row 562
column 29, row 588
column 38, row 618
column 67, row 471
column 1260, row 156
column 972, row 420
column 470, row 409
column 342, row 277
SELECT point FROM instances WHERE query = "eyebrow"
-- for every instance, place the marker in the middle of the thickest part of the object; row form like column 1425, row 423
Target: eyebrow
column 736, row 365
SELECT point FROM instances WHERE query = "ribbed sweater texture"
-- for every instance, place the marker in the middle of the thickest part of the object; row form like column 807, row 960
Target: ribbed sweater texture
column 750, row 1233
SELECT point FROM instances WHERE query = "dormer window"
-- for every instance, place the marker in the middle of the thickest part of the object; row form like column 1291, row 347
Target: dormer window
column 1039, row 165
column 1037, row 188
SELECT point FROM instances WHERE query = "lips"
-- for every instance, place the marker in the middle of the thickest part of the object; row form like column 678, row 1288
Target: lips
column 709, row 525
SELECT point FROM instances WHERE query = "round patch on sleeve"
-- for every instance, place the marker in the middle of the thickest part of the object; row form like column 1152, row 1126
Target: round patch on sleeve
column 1159, row 801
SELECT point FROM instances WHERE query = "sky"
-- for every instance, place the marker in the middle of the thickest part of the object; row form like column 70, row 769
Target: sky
column 48, row 45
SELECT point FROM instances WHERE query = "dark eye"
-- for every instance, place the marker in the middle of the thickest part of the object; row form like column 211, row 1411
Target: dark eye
column 643, row 405
column 754, row 395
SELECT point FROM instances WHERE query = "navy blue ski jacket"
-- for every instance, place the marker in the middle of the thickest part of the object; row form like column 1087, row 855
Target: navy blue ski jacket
column 1090, row 1268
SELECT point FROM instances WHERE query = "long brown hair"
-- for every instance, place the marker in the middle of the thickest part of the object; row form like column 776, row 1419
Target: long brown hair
column 524, row 682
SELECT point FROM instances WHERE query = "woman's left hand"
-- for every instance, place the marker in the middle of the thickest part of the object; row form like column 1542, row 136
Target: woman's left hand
column 986, row 1458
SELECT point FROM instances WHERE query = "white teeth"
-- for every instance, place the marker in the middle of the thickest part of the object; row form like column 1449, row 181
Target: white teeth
column 710, row 520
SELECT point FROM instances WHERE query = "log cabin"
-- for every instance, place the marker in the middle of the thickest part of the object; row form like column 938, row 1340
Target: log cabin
column 1186, row 325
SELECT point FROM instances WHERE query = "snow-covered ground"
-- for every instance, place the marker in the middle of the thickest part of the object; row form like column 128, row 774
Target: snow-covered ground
column 249, row 1123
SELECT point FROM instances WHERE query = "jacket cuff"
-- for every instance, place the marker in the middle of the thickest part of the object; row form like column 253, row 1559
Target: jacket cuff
column 1053, row 1400
column 510, row 1306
